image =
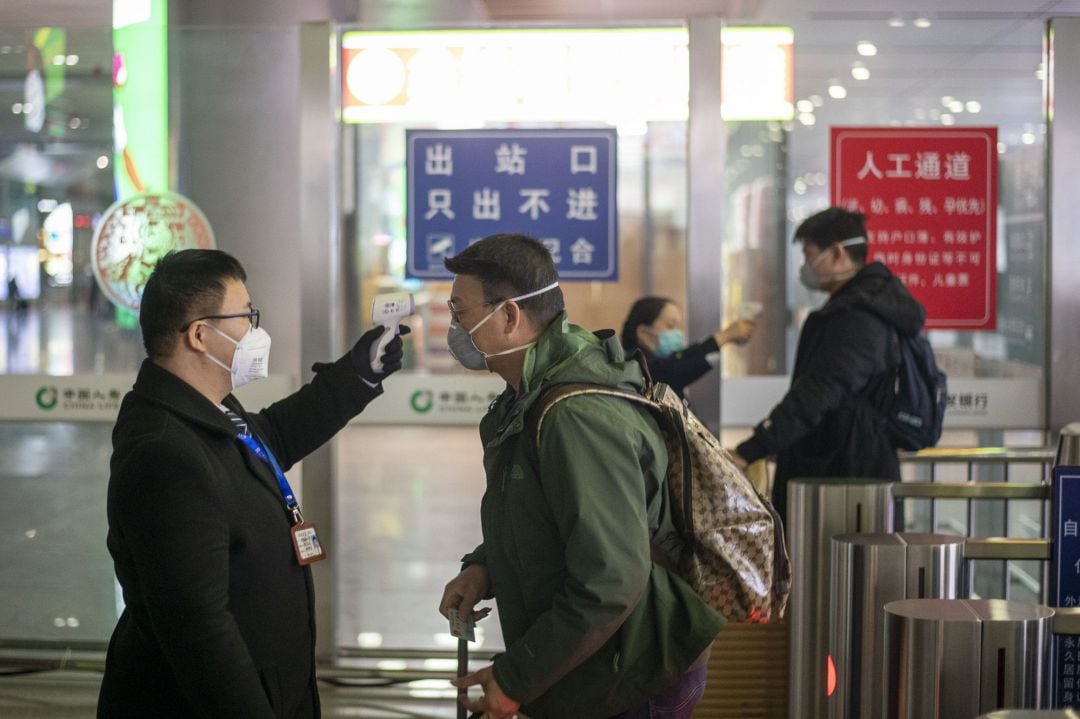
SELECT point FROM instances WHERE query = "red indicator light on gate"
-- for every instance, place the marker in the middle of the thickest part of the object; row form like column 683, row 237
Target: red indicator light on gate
column 830, row 677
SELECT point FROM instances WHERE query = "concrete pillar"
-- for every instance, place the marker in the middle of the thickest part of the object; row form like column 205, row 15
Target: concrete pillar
column 1063, row 217
column 706, row 148
column 254, row 145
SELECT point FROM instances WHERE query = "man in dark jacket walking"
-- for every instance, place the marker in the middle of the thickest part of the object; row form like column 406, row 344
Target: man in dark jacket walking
column 207, row 539
column 593, row 628
column 829, row 423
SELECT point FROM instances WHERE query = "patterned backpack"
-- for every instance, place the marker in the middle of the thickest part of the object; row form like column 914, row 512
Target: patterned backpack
column 735, row 557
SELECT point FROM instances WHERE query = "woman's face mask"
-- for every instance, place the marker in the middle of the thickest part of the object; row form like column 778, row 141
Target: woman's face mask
column 809, row 277
column 251, row 360
column 465, row 351
column 668, row 342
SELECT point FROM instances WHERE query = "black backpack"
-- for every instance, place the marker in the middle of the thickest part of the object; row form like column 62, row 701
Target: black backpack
column 915, row 409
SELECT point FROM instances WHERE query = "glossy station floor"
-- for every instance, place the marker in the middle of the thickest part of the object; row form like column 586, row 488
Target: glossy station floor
column 73, row 695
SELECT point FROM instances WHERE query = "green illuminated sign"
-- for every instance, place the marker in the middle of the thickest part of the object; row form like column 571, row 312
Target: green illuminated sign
column 51, row 42
column 140, row 96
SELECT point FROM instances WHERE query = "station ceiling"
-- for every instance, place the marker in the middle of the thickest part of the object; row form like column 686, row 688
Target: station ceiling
column 985, row 51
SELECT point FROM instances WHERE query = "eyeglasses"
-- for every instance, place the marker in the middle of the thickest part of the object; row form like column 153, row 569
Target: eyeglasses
column 456, row 312
column 253, row 318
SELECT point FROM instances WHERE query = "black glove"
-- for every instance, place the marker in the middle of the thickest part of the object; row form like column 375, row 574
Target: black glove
column 391, row 357
column 360, row 355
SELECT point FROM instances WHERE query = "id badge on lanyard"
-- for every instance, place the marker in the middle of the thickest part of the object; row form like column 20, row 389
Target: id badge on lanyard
column 305, row 538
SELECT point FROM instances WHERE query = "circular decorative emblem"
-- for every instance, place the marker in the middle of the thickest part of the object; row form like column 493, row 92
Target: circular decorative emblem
column 47, row 397
column 422, row 401
column 137, row 232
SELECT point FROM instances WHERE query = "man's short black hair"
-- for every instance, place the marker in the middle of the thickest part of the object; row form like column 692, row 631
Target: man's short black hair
column 833, row 225
column 185, row 285
column 509, row 265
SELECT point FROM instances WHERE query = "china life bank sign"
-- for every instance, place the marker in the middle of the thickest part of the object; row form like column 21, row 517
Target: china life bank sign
column 555, row 185
column 930, row 197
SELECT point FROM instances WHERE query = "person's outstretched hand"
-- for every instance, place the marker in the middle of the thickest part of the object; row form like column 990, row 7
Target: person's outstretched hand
column 391, row 356
column 739, row 332
column 360, row 355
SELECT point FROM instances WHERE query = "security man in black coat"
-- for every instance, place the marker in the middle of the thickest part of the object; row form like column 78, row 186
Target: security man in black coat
column 208, row 541
column 828, row 424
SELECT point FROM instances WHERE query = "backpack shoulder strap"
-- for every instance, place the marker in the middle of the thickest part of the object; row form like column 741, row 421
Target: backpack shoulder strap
column 878, row 393
column 534, row 417
column 534, row 420
column 639, row 357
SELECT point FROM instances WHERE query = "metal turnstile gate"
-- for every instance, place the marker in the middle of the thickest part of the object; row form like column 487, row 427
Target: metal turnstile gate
column 953, row 658
column 868, row 572
column 819, row 509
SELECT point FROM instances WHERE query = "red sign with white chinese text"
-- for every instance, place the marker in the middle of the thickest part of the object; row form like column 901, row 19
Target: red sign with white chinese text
column 930, row 199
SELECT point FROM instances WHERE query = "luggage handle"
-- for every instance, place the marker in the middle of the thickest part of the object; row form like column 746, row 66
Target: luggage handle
column 462, row 670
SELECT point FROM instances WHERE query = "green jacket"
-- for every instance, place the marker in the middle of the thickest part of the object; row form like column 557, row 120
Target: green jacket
column 592, row 626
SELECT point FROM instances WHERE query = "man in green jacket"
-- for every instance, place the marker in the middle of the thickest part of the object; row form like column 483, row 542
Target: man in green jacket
column 593, row 628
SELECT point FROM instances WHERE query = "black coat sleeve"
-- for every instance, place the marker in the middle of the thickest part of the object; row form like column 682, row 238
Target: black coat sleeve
column 853, row 349
column 683, row 368
column 176, row 534
column 297, row 425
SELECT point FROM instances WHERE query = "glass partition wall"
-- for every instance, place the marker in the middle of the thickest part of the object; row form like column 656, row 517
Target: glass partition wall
column 407, row 496
column 56, row 179
column 420, row 510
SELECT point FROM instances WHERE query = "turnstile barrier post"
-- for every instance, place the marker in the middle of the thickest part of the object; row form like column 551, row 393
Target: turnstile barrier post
column 951, row 658
column 868, row 572
column 818, row 509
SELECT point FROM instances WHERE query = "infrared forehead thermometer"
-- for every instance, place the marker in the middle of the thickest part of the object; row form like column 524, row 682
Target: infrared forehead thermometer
column 388, row 310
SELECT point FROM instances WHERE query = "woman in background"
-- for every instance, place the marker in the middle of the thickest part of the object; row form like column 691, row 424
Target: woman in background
column 654, row 326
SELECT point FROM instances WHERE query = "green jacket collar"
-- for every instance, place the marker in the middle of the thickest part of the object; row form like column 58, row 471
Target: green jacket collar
column 564, row 352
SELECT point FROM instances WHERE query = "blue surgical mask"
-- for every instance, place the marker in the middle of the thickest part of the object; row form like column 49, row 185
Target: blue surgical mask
column 668, row 342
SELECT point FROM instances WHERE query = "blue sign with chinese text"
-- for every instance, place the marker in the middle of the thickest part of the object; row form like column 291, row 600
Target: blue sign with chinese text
column 1065, row 587
column 555, row 185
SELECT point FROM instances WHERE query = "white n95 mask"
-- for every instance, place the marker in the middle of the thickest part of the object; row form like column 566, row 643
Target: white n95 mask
column 809, row 278
column 251, row 360
column 465, row 351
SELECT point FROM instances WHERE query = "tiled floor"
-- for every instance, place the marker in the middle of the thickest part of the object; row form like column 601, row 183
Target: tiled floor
column 73, row 695
column 52, row 695
column 408, row 509
column 66, row 340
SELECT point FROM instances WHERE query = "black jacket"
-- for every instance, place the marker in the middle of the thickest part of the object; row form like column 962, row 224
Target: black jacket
column 220, row 617
column 828, row 424
column 682, row 368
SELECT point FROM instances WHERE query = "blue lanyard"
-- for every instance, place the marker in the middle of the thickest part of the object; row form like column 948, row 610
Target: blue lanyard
column 263, row 452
